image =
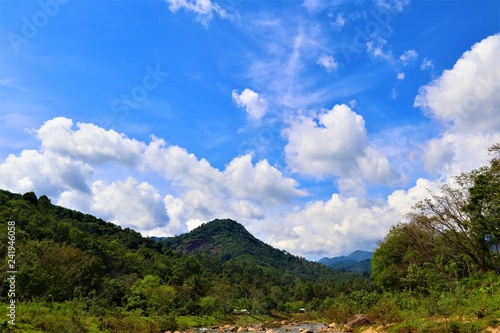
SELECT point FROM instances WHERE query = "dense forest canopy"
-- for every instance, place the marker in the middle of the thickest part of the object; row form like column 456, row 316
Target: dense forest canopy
column 443, row 259
column 451, row 234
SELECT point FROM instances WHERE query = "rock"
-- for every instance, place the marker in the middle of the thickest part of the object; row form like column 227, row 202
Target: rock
column 233, row 329
column 284, row 322
column 271, row 331
column 308, row 330
column 226, row 327
column 358, row 319
column 241, row 329
column 251, row 329
column 347, row 328
column 301, row 329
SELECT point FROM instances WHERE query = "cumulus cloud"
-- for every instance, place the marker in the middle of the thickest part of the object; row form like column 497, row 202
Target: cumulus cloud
column 341, row 224
column 47, row 172
column 254, row 105
column 328, row 62
column 88, row 143
column 129, row 203
column 242, row 179
column 260, row 181
column 466, row 99
column 400, row 76
column 335, row 143
column 73, row 169
column 454, row 153
column 468, row 95
column 243, row 190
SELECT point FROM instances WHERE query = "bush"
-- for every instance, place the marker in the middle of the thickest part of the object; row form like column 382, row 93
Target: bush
column 386, row 311
column 458, row 327
column 58, row 324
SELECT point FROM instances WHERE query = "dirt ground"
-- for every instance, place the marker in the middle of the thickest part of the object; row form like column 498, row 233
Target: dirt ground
column 380, row 329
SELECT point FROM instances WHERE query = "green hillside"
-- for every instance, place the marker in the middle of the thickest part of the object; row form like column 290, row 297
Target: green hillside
column 436, row 271
column 230, row 242
column 63, row 255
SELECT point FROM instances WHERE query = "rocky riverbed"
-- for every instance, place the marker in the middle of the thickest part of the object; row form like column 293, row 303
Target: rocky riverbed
column 272, row 327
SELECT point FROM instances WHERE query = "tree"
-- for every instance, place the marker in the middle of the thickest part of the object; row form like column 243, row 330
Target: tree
column 468, row 215
column 484, row 206
column 406, row 245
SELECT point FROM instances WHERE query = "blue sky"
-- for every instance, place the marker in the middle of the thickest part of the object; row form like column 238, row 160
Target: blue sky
column 316, row 124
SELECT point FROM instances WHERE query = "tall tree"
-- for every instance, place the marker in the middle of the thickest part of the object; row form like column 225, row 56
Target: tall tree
column 468, row 215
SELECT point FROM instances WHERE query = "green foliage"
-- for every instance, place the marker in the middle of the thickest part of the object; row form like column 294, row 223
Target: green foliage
column 81, row 274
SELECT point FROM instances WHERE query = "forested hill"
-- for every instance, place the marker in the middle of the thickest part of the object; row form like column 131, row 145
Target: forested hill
column 62, row 254
column 230, row 241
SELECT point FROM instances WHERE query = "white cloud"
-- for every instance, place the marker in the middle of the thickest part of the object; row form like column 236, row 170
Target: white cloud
column 254, row 105
column 242, row 191
column 312, row 5
column 260, row 183
column 341, row 225
column 282, row 69
column 48, row 172
column 408, row 56
column 335, row 143
column 248, row 181
column 454, row 153
column 467, row 97
column 328, row 146
column 426, row 64
column 204, row 9
column 338, row 225
column 394, row 6
column 129, row 204
column 339, row 22
column 400, row 76
column 328, row 62
column 376, row 48
column 70, row 170
column 89, row 142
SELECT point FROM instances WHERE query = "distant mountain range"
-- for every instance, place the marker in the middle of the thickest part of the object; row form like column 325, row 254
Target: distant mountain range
column 356, row 262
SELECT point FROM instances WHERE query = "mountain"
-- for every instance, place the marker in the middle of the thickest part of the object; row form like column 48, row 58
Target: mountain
column 63, row 255
column 229, row 241
column 357, row 262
